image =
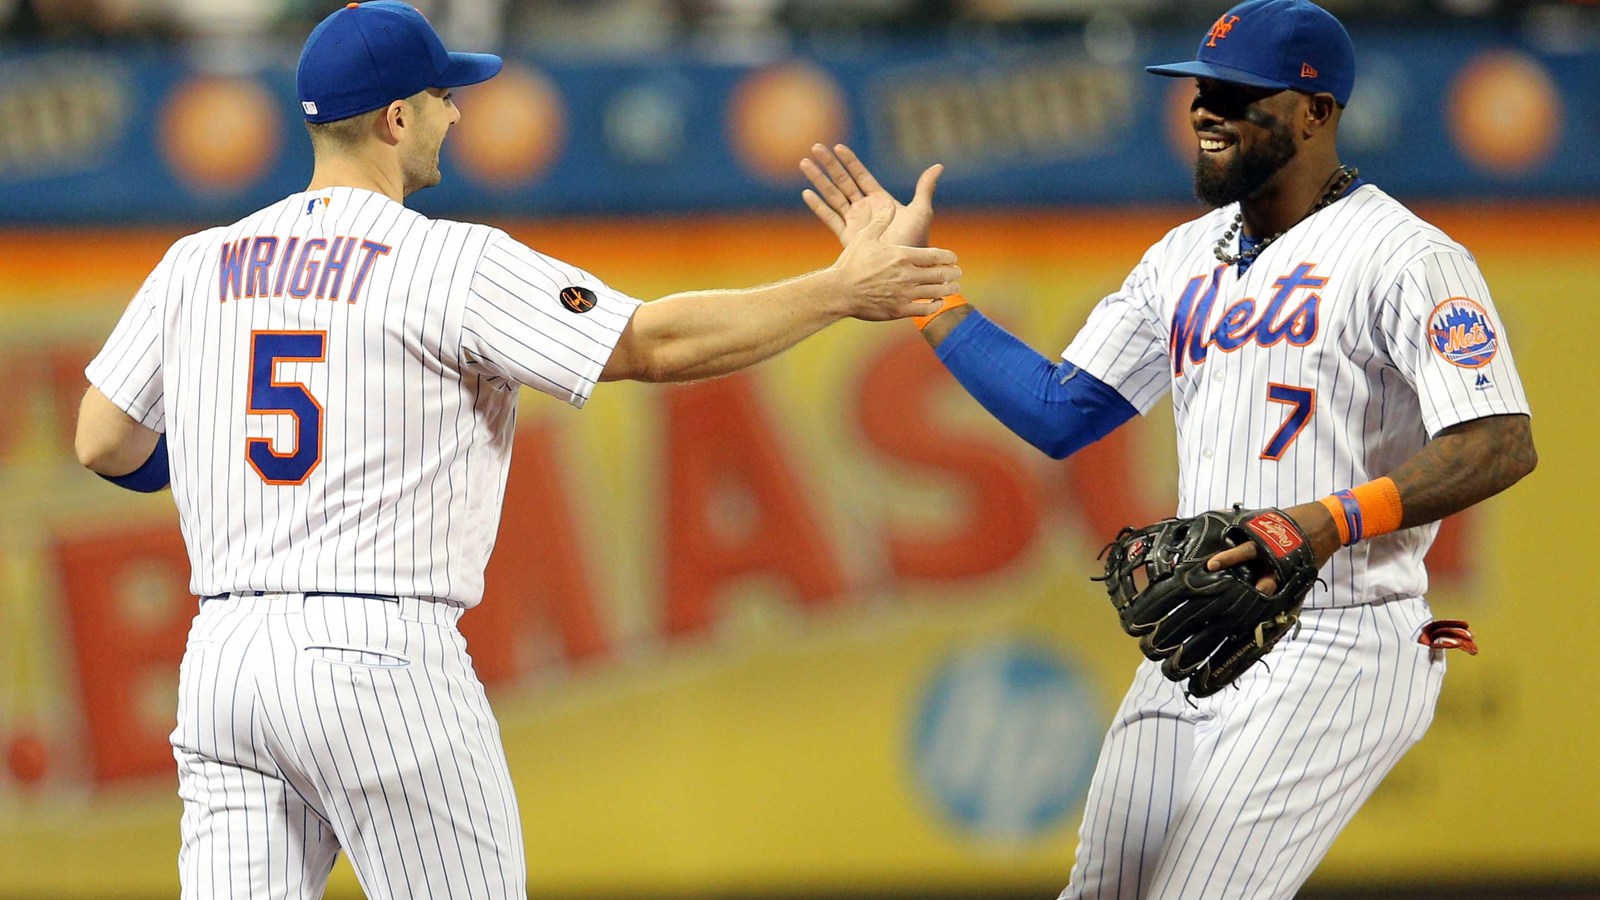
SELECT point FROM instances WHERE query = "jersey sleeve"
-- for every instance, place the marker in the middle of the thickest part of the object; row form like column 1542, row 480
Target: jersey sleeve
column 1124, row 345
column 1447, row 340
column 534, row 320
column 128, row 368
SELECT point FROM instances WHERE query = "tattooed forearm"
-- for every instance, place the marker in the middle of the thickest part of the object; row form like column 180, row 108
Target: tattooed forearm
column 936, row 331
column 1465, row 464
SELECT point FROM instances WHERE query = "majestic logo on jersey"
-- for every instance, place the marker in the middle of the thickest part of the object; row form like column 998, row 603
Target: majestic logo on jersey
column 1221, row 29
column 577, row 299
column 1459, row 331
column 1243, row 323
column 1483, row 383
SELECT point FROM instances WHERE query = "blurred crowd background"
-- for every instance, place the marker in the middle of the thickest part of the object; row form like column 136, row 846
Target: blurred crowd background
column 823, row 629
column 609, row 26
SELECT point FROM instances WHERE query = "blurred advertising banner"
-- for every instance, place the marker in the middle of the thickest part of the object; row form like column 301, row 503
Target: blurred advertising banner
column 820, row 627
column 131, row 137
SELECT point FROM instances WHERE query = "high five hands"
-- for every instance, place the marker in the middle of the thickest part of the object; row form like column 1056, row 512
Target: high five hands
column 884, row 279
column 846, row 192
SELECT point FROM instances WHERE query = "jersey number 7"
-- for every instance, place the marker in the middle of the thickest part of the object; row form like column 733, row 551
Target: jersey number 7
column 271, row 397
column 1302, row 402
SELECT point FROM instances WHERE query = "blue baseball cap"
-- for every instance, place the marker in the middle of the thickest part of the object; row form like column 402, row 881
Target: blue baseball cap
column 368, row 55
column 1292, row 44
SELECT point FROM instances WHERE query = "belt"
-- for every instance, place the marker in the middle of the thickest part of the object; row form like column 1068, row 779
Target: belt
column 431, row 610
column 226, row 594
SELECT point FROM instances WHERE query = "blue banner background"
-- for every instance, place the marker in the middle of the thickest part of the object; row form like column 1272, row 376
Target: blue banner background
column 1025, row 123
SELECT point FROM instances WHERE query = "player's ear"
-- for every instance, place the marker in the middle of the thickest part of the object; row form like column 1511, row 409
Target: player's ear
column 1320, row 111
column 395, row 119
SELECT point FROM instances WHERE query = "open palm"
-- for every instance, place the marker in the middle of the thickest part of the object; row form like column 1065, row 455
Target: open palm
column 844, row 190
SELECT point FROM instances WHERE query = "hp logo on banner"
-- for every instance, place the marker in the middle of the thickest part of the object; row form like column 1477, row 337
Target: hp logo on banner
column 1005, row 740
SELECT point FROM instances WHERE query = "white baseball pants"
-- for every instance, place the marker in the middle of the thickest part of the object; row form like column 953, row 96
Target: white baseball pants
column 1241, row 794
column 308, row 723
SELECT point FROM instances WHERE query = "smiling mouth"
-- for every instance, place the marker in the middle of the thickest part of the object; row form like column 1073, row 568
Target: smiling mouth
column 1211, row 143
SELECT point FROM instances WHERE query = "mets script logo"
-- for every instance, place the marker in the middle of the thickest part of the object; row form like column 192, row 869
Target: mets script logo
column 1289, row 314
column 1459, row 331
column 577, row 299
column 1220, row 29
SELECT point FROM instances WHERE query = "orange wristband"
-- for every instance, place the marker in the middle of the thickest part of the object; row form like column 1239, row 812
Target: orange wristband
column 1337, row 510
column 1366, row 511
column 950, row 302
column 1380, row 506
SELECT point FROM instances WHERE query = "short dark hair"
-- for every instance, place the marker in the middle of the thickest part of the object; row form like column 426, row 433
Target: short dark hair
column 342, row 134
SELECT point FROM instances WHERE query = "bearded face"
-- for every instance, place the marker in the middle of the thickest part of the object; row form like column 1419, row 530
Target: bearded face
column 1221, row 181
column 1243, row 144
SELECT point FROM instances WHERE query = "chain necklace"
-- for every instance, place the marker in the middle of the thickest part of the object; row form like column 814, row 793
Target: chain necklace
column 1341, row 181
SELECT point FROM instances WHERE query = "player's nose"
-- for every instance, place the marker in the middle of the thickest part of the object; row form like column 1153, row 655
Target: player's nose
column 1203, row 118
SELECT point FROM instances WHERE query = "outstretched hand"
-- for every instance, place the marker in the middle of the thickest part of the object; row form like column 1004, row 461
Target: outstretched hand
column 884, row 280
column 845, row 190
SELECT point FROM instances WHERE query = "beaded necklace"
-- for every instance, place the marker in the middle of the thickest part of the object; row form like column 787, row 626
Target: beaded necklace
column 1341, row 181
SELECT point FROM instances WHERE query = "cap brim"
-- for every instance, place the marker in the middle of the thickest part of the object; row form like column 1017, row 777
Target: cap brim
column 1199, row 69
column 468, row 68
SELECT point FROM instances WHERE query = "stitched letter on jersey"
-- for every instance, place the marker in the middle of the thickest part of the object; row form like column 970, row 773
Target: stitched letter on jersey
column 1242, row 323
column 246, row 268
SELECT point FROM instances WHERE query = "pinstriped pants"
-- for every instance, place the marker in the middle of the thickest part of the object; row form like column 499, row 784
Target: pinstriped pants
column 1242, row 794
column 311, row 724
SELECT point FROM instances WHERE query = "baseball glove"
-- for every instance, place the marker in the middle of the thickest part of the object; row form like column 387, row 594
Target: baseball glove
column 1208, row 627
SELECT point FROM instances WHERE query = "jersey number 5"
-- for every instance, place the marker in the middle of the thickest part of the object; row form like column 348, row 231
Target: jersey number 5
column 271, row 397
column 1302, row 402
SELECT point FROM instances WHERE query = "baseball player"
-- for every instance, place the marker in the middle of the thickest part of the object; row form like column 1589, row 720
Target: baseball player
column 330, row 384
column 1327, row 352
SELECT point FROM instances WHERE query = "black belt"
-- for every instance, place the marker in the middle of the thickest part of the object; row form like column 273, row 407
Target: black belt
column 389, row 597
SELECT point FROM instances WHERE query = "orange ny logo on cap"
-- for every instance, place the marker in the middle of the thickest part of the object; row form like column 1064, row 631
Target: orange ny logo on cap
column 1306, row 71
column 1221, row 28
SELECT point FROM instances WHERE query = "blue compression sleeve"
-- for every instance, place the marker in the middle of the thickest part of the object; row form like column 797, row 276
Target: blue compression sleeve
column 1058, row 407
column 150, row 477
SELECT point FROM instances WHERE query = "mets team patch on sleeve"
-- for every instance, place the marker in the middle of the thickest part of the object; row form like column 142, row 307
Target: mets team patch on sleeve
column 1459, row 331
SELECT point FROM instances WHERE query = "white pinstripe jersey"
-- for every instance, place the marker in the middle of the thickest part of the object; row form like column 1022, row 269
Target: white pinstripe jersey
column 1340, row 350
column 337, row 377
